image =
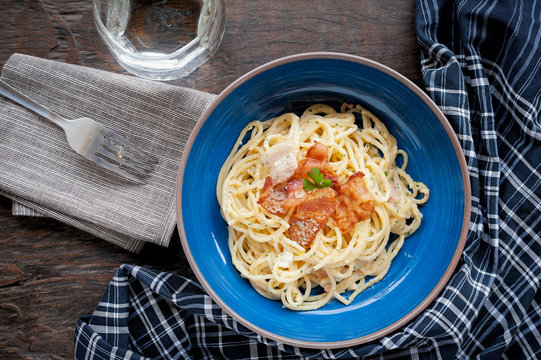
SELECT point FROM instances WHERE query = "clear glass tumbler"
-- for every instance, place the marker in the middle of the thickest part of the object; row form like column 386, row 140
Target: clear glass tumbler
column 160, row 40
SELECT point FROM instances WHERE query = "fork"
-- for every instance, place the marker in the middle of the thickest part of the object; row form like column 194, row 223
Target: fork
column 93, row 140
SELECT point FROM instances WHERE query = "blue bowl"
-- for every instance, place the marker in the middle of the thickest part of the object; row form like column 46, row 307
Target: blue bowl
column 428, row 257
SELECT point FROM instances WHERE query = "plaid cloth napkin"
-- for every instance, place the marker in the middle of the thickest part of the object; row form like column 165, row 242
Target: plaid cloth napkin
column 40, row 172
column 481, row 61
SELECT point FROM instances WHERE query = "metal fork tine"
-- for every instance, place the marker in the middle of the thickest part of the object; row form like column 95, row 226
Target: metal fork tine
column 132, row 161
column 116, row 140
column 125, row 157
column 119, row 170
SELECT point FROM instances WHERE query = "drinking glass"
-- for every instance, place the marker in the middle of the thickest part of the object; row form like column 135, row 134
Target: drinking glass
column 160, row 40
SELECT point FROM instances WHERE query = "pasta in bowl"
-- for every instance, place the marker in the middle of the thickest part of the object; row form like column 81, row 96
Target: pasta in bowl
column 289, row 233
column 426, row 151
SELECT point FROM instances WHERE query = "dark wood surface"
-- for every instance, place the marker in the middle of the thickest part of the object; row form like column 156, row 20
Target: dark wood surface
column 51, row 273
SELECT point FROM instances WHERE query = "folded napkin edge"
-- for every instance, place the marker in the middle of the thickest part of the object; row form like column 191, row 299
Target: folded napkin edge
column 132, row 245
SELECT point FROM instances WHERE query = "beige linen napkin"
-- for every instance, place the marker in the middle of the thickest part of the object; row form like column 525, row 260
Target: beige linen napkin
column 40, row 172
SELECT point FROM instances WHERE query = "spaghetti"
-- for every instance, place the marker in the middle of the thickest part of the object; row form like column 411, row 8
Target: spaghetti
column 342, row 257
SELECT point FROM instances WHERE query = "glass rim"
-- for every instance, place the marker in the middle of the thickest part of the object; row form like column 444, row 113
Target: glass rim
column 105, row 35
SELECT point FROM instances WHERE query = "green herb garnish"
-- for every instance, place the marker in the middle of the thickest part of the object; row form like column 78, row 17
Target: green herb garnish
column 319, row 182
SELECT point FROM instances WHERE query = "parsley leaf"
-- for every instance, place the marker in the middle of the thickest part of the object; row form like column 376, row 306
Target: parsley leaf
column 326, row 183
column 318, row 181
column 308, row 186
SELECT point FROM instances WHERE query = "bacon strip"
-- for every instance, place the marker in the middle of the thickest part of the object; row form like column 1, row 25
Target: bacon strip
column 311, row 216
column 353, row 203
column 318, row 151
column 272, row 198
column 319, row 200
column 278, row 200
column 266, row 191
column 346, row 204
column 304, row 226
column 316, row 156
column 323, row 279
column 295, row 193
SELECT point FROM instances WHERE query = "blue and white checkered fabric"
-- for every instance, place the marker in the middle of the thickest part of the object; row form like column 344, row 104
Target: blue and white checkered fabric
column 481, row 62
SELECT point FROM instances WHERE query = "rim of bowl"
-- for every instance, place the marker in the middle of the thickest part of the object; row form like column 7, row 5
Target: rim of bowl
column 465, row 178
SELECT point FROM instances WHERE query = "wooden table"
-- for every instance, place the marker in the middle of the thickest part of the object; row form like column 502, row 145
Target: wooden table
column 51, row 273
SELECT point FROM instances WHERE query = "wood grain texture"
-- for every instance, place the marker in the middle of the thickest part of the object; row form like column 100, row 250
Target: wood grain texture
column 50, row 273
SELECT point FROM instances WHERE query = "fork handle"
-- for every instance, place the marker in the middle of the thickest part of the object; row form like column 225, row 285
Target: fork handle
column 30, row 104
